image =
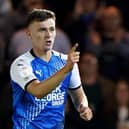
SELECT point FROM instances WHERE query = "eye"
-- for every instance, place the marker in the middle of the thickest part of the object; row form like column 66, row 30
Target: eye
column 41, row 29
column 52, row 28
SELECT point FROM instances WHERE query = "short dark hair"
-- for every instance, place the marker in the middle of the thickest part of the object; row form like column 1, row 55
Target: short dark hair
column 40, row 15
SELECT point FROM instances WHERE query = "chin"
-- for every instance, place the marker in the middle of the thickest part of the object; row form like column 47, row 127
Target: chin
column 48, row 49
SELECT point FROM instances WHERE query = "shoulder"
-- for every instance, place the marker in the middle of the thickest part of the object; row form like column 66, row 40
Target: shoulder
column 25, row 58
column 61, row 55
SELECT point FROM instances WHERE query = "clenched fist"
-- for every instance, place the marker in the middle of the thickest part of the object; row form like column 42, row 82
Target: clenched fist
column 85, row 112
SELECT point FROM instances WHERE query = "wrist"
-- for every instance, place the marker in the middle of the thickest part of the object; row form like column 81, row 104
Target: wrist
column 68, row 68
column 82, row 106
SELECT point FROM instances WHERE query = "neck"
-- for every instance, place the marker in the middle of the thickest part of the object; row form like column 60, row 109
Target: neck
column 45, row 55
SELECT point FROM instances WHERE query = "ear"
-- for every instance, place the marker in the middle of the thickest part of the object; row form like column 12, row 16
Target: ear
column 28, row 33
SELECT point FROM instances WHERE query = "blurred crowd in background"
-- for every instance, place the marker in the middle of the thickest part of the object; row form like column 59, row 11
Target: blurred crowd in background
column 101, row 27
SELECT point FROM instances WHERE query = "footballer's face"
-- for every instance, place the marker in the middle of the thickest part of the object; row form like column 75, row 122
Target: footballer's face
column 42, row 34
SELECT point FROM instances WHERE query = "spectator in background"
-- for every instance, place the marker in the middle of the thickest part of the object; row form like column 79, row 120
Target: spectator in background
column 117, row 107
column 81, row 21
column 123, row 5
column 88, row 66
column 111, row 40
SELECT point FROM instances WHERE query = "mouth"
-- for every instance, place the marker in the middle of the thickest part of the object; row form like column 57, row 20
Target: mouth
column 48, row 42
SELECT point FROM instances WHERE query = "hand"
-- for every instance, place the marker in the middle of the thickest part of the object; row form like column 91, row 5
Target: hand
column 73, row 56
column 85, row 112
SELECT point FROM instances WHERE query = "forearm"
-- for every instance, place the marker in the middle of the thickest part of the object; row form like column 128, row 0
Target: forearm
column 81, row 103
column 79, row 98
column 41, row 89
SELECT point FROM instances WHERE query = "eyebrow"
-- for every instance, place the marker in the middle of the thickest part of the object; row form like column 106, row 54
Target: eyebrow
column 45, row 28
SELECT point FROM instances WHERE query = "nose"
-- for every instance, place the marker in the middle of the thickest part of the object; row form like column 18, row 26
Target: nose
column 48, row 33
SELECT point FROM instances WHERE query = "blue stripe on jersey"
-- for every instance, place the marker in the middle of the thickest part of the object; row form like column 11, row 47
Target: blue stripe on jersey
column 45, row 113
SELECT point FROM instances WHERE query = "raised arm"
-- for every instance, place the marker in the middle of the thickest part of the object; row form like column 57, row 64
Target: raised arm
column 41, row 89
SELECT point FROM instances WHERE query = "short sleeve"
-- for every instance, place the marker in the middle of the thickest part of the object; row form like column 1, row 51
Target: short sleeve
column 75, row 80
column 21, row 73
